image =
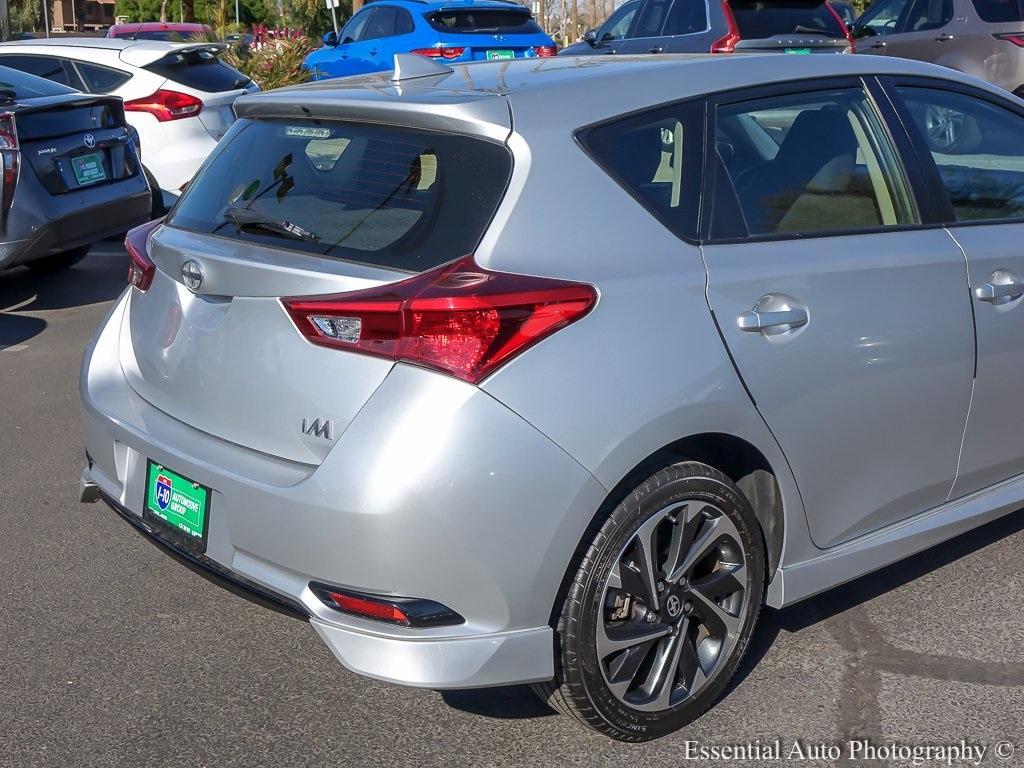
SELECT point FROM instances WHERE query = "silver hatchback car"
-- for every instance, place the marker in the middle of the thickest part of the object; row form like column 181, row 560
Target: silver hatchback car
column 555, row 371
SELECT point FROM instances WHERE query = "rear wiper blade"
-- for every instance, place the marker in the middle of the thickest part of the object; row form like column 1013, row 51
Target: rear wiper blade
column 246, row 217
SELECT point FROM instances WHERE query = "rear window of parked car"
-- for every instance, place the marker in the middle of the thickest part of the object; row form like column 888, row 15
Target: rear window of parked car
column 485, row 21
column 758, row 19
column 392, row 197
column 200, row 69
column 999, row 11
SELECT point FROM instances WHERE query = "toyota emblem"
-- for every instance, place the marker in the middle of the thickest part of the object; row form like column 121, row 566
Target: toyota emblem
column 192, row 275
column 89, row 140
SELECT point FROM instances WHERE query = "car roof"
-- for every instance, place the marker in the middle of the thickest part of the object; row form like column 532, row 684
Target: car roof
column 443, row 5
column 564, row 90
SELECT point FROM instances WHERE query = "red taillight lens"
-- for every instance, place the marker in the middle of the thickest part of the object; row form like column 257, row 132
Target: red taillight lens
column 441, row 52
column 842, row 25
column 546, row 50
column 10, row 150
column 369, row 608
column 166, row 105
column 460, row 318
column 1017, row 38
column 140, row 267
column 727, row 42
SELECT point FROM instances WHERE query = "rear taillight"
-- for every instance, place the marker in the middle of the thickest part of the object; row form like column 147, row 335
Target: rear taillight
column 545, row 50
column 440, row 52
column 166, row 105
column 727, row 42
column 842, row 26
column 1017, row 38
column 11, row 152
column 140, row 267
column 459, row 318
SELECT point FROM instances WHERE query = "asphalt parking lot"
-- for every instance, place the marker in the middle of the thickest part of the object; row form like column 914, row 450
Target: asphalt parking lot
column 111, row 654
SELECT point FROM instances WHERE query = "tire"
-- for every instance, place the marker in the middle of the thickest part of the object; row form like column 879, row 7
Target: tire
column 58, row 261
column 681, row 511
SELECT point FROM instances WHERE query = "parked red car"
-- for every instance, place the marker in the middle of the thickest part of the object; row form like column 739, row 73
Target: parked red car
column 158, row 30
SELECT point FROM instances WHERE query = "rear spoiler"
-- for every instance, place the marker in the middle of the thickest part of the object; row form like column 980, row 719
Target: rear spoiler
column 144, row 53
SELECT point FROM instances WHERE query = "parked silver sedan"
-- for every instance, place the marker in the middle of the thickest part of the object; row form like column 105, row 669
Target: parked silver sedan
column 554, row 372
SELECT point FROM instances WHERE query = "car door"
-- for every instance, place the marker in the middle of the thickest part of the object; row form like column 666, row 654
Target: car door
column 878, row 25
column 841, row 301
column 972, row 145
column 927, row 31
column 646, row 35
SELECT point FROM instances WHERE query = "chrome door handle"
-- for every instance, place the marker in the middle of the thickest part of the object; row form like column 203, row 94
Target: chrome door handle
column 945, row 37
column 993, row 292
column 755, row 322
column 656, row 49
column 877, row 45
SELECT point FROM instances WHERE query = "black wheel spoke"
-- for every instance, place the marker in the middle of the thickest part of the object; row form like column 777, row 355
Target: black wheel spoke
column 727, row 580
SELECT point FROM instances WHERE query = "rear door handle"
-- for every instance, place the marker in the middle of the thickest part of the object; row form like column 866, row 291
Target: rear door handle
column 945, row 37
column 656, row 49
column 756, row 322
column 876, row 46
column 993, row 292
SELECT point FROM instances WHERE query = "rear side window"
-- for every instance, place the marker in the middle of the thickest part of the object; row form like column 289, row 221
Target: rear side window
column 686, row 17
column 656, row 157
column 381, row 24
column 48, row 67
column 201, row 70
column 651, row 19
column 999, row 11
column 805, row 163
column 391, row 197
column 758, row 19
column 492, row 21
column 101, row 79
column 978, row 148
column 26, row 86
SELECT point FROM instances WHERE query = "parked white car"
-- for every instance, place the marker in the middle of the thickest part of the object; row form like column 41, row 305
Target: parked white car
column 178, row 96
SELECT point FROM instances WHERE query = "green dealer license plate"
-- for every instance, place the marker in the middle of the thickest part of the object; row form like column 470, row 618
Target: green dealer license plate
column 495, row 55
column 88, row 168
column 177, row 507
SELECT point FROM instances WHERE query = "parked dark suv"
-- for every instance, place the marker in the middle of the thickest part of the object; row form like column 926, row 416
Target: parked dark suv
column 718, row 26
column 71, row 172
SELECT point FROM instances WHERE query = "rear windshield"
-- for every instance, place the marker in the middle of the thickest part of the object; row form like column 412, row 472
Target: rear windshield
column 21, row 85
column 999, row 11
column 201, row 70
column 391, row 197
column 758, row 19
column 505, row 21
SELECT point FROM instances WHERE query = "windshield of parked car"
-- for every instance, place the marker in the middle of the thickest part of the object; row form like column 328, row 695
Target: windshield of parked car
column 758, row 19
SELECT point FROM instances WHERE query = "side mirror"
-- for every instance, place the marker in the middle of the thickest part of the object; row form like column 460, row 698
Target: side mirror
column 331, row 39
column 590, row 37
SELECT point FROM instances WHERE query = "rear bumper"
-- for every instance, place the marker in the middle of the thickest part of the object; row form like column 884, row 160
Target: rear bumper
column 40, row 224
column 434, row 491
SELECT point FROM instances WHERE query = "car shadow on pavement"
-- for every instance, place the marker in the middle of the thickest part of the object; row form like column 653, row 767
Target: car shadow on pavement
column 517, row 702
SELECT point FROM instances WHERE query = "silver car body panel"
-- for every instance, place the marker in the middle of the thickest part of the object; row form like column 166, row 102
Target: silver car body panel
column 478, row 496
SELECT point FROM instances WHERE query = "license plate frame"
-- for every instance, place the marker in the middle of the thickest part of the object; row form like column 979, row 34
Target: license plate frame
column 177, row 507
column 88, row 169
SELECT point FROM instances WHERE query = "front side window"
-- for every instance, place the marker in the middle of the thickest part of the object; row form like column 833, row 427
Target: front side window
column 880, row 19
column 392, row 197
column 978, row 148
column 928, row 14
column 655, row 156
column 352, row 31
column 806, row 163
column 617, row 25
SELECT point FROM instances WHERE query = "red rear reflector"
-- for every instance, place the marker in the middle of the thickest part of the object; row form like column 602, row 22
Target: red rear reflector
column 727, row 43
column 546, row 50
column 11, row 158
column 1017, row 38
column 460, row 318
column 440, row 52
column 140, row 267
column 166, row 105
column 370, row 608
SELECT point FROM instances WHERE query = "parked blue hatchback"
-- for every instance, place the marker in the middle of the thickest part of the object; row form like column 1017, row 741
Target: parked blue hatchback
column 449, row 30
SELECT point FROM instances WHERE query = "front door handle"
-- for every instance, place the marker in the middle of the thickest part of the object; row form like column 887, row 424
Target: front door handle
column 877, row 46
column 656, row 49
column 945, row 37
column 756, row 322
column 994, row 292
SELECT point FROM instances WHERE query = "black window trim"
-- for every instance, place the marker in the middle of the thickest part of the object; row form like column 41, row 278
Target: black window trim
column 890, row 83
column 920, row 193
